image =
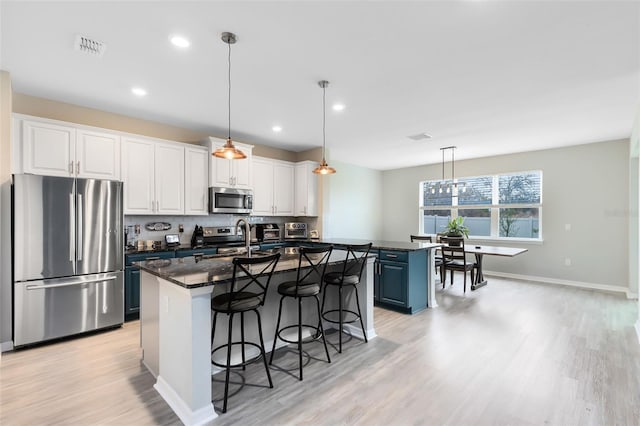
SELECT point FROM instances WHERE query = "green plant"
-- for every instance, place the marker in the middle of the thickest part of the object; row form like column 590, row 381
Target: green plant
column 457, row 228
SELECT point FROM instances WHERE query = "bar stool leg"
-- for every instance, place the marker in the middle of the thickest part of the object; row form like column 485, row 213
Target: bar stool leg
column 213, row 328
column 364, row 333
column 264, row 354
column 226, row 381
column 275, row 338
column 300, row 334
column 340, row 313
column 321, row 329
column 244, row 367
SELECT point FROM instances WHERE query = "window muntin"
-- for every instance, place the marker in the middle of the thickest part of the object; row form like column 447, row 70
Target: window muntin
column 497, row 206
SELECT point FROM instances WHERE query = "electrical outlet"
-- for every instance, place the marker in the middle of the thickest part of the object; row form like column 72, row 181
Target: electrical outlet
column 567, row 261
column 180, row 228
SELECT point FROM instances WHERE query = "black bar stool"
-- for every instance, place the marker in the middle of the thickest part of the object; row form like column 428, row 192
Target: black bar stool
column 312, row 263
column 350, row 276
column 252, row 275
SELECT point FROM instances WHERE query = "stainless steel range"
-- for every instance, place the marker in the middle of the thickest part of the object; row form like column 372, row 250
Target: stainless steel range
column 228, row 239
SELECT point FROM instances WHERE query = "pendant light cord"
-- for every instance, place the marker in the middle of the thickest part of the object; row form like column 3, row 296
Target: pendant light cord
column 324, row 120
column 229, row 97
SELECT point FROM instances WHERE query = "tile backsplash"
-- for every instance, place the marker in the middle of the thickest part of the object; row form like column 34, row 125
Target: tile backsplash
column 189, row 223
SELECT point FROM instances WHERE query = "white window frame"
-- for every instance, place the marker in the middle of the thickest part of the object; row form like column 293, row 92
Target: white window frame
column 494, row 207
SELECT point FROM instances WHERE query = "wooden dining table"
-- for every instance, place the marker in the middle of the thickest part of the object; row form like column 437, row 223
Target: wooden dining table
column 480, row 251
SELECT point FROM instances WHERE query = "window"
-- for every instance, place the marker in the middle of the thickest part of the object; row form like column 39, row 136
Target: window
column 498, row 206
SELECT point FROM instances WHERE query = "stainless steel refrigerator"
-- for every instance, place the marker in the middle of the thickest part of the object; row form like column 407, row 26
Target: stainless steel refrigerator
column 68, row 256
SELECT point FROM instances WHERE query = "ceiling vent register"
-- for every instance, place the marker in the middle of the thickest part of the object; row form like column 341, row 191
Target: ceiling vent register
column 420, row 136
column 88, row 45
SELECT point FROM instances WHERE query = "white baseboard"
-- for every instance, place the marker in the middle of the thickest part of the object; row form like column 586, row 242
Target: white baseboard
column 547, row 280
column 6, row 346
column 201, row 416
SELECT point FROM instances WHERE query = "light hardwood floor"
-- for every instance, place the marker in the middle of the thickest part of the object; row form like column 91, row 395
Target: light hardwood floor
column 511, row 353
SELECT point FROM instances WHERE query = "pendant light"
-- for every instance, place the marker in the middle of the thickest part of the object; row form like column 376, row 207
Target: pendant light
column 443, row 185
column 229, row 151
column 323, row 168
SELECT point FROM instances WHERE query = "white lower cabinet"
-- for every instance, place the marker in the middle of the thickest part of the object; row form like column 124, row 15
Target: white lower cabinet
column 153, row 175
column 272, row 187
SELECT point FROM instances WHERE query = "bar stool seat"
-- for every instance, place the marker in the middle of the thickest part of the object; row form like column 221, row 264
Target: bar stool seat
column 290, row 289
column 349, row 277
column 253, row 276
column 241, row 301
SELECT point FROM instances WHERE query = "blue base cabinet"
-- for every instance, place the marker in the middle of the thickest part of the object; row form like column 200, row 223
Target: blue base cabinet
column 132, row 281
column 400, row 281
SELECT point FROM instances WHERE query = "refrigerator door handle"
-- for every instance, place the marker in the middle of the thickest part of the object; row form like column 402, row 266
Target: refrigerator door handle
column 80, row 226
column 42, row 287
column 72, row 229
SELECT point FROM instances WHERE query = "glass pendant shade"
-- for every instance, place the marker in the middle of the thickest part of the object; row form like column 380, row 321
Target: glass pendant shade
column 324, row 169
column 229, row 151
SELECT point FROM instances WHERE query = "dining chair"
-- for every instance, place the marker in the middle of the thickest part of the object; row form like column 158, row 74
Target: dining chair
column 439, row 261
column 455, row 259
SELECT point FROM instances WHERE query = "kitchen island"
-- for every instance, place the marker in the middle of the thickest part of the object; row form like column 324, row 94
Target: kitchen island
column 175, row 320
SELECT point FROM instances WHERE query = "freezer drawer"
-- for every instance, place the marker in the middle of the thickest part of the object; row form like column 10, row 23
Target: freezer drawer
column 48, row 309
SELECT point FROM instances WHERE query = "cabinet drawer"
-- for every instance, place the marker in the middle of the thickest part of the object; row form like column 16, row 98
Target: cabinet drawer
column 203, row 252
column 139, row 257
column 395, row 256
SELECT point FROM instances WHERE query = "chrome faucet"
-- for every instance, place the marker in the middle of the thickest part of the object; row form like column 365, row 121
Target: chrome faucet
column 247, row 233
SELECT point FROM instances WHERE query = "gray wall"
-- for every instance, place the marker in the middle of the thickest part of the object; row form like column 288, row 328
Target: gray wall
column 5, row 210
column 586, row 186
column 351, row 202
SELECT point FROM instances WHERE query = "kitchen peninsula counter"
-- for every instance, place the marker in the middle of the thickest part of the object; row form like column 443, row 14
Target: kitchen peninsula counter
column 175, row 322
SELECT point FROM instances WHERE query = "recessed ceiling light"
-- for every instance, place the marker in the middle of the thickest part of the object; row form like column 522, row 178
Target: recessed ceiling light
column 180, row 41
column 138, row 91
column 338, row 107
column 276, row 128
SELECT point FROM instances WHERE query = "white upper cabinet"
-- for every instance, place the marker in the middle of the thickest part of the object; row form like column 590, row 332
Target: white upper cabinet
column 272, row 187
column 306, row 191
column 169, row 178
column 55, row 148
column 196, row 181
column 262, row 186
column 153, row 175
column 283, row 175
column 97, row 155
column 138, row 170
column 229, row 173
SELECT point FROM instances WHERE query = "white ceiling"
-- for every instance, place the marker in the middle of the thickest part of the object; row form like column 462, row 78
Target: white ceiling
column 489, row 77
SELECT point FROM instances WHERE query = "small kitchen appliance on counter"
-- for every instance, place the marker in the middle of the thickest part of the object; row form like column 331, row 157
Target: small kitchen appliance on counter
column 197, row 239
column 268, row 232
column 295, row 230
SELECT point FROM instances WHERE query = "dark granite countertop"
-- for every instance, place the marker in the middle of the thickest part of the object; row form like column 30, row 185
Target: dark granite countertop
column 192, row 272
column 380, row 244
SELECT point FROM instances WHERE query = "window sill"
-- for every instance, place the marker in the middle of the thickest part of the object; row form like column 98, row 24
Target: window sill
column 532, row 241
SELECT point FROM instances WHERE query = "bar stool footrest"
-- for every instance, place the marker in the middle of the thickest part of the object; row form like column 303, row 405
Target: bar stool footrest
column 247, row 362
column 355, row 314
column 313, row 337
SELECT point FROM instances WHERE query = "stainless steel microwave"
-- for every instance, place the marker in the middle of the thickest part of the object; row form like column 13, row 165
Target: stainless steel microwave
column 230, row 200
